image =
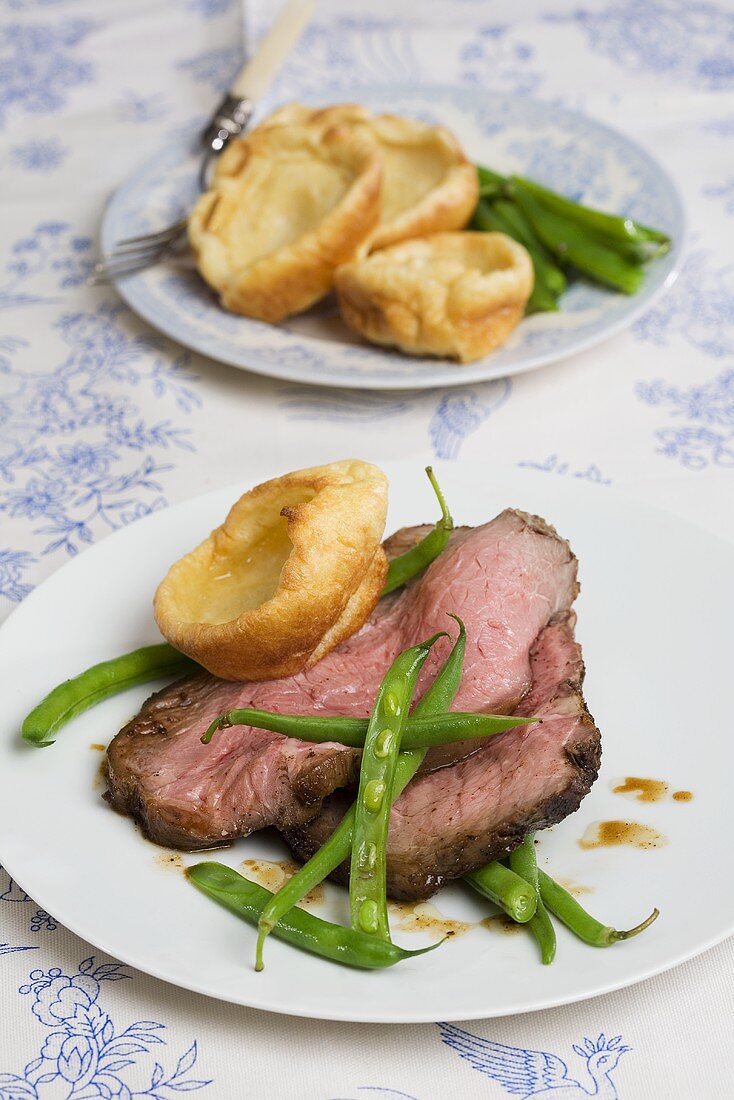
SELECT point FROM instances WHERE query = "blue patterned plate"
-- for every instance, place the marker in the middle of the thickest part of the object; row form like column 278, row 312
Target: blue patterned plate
column 568, row 151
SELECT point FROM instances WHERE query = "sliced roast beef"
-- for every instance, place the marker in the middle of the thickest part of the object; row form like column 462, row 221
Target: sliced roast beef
column 506, row 579
column 461, row 817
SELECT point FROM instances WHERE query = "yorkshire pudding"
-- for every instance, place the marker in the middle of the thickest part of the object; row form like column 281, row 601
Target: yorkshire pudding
column 296, row 567
column 449, row 294
column 428, row 184
column 286, row 206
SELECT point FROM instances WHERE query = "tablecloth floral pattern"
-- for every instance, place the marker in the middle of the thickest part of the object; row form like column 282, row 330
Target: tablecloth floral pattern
column 102, row 421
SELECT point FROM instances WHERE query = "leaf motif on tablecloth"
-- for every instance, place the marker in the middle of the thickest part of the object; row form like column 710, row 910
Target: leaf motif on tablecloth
column 52, row 257
column 209, row 9
column 39, row 155
column 215, row 67
column 693, row 42
column 698, row 308
column 554, row 464
column 701, row 434
column 39, row 66
column 377, row 1092
column 495, row 58
column 9, row 890
column 724, row 192
column 132, row 106
column 526, row 1073
column 722, row 127
column 83, row 1051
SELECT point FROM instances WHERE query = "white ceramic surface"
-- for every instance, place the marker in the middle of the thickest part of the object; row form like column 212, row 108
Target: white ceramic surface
column 655, row 617
column 571, row 153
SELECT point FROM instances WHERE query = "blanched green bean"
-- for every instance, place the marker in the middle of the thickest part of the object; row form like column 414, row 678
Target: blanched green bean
column 564, row 906
column 420, row 732
column 152, row 662
column 247, row 900
column 419, row 557
column 616, row 227
column 512, row 893
column 523, row 862
column 368, row 872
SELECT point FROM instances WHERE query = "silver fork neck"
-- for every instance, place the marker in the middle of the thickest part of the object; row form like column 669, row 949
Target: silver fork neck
column 229, row 119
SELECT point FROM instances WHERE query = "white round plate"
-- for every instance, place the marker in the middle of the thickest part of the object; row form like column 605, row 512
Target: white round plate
column 569, row 152
column 655, row 617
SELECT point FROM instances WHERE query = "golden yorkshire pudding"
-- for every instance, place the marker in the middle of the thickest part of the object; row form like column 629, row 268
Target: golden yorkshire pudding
column 296, row 567
column 286, row 206
column 428, row 185
column 449, row 294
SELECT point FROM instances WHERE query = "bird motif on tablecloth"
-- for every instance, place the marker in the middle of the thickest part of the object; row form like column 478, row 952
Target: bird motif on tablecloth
column 527, row 1074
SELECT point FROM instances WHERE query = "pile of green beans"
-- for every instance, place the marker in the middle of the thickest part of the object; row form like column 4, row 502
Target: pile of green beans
column 337, row 849
column 528, row 895
column 525, row 865
column 564, row 237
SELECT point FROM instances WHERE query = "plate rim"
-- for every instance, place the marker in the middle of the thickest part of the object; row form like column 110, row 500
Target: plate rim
column 130, row 288
column 303, row 1011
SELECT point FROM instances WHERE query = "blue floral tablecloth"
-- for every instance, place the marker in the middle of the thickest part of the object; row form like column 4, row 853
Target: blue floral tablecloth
column 102, row 421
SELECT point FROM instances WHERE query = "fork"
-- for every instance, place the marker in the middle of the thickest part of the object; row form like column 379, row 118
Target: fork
column 230, row 119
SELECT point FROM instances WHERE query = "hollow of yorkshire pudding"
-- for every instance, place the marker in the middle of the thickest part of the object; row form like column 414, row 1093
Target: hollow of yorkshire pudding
column 428, row 185
column 296, row 567
column 450, row 294
column 286, row 206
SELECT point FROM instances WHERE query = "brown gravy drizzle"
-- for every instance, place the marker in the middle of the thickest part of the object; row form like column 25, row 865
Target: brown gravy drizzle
column 574, row 887
column 501, row 923
column 274, row 873
column 423, row 916
column 608, row 834
column 171, row 861
column 649, row 790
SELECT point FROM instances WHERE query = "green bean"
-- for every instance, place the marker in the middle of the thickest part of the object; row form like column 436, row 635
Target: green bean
column 564, row 906
column 414, row 561
column 152, row 662
column 578, row 247
column 420, row 733
column 614, row 226
column 336, row 849
column 332, row 941
column 368, row 872
column 506, row 889
column 491, row 183
column 542, row 928
column 524, row 863
column 522, row 230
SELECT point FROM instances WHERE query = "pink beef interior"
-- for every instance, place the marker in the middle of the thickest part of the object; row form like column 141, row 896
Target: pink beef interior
column 507, row 580
column 461, row 817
